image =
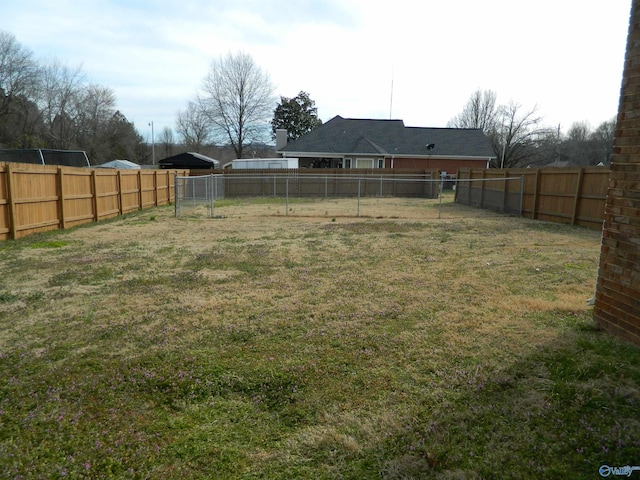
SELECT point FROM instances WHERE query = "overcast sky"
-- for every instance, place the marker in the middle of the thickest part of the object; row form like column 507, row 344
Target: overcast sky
column 564, row 57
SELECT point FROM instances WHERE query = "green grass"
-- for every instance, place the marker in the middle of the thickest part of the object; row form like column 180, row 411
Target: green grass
column 281, row 348
column 227, row 202
column 49, row 244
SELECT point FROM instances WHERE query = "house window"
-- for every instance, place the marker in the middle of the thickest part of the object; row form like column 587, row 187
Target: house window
column 364, row 162
column 381, row 163
column 347, row 163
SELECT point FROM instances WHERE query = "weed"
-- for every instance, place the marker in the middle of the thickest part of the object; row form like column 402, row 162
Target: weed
column 272, row 347
column 49, row 244
column 7, row 297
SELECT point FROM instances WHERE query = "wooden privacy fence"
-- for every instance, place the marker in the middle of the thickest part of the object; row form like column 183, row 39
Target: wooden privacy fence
column 564, row 195
column 328, row 182
column 38, row 198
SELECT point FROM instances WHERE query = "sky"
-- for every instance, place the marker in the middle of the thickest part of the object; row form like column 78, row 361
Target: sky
column 415, row 60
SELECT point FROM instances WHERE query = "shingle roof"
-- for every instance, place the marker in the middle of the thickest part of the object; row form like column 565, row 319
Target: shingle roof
column 350, row 136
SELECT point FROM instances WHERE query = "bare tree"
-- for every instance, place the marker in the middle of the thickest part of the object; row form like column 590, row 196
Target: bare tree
column 480, row 112
column 237, row 98
column 61, row 88
column 518, row 136
column 166, row 141
column 193, row 127
column 583, row 146
column 18, row 72
column 52, row 106
column 579, row 131
column 603, row 140
column 19, row 76
column 576, row 147
column 124, row 140
column 94, row 108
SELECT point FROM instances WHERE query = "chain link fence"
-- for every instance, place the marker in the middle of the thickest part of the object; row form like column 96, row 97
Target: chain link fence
column 199, row 193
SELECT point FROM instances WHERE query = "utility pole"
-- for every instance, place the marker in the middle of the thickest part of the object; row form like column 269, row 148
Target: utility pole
column 153, row 145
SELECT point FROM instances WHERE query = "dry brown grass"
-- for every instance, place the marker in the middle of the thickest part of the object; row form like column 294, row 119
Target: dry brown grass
column 330, row 344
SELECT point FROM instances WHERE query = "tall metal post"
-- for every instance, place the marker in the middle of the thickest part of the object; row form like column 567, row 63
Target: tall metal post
column 287, row 196
column 153, row 145
column 175, row 194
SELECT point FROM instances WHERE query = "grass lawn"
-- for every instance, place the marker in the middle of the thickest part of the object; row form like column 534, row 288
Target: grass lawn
column 394, row 345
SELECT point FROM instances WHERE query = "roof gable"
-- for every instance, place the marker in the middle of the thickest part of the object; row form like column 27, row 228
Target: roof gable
column 364, row 145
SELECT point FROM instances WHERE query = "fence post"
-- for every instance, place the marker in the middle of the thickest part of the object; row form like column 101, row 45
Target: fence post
column 155, row 188
column 482, row 183
column 504, row 188
column 119, row 183
column 140, row 189
column 522, row 196
column 576, row 200
column 176, row 209
column 94, row 187
column 286, row 194
column 440, row 201
column 358, row 214
column 12, row 202
column 63, row 223
column 455, row 188
column 534, row 213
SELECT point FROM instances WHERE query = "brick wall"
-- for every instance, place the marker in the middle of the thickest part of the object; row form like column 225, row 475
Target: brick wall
column 617, row 307
column 450, row 165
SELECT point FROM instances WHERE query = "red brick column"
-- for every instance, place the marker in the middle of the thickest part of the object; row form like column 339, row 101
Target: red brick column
column 617, row 306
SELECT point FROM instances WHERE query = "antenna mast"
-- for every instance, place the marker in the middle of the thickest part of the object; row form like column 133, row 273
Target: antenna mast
column 391, row 99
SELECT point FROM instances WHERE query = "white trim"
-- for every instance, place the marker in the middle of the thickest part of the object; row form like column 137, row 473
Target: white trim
column 392, row 156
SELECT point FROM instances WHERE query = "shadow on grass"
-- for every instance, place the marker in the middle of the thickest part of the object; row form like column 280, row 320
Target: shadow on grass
column 561, row 412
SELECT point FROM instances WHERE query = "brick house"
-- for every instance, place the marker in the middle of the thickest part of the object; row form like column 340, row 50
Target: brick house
column 363, row 143
column 617, row 303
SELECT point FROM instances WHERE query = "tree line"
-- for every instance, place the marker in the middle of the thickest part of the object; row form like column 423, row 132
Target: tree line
column 519, row 138
column 51, row 105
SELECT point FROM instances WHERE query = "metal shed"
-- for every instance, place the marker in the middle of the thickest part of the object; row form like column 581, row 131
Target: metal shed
column 189, row 160
column 125, row 164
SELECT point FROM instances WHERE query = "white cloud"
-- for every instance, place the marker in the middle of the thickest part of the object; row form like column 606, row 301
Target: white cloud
column 565, row 56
